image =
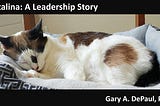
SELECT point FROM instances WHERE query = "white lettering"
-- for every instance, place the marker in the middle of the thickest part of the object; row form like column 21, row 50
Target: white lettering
column 87, row 7
column 27, row 7
column 49, row 6
column 113, row 99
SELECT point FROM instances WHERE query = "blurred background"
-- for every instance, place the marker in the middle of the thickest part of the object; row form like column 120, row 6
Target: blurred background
column 60, row 24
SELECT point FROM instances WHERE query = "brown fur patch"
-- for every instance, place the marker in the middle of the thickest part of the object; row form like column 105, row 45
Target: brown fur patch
column 21, row 42
column 120, row 54
column 63, row 39
column 84, row 38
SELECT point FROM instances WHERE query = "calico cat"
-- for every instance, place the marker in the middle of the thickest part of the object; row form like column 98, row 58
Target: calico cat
column 91, row 56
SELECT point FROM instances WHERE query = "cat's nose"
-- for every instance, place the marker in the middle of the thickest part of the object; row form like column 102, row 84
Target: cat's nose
column 36, row 68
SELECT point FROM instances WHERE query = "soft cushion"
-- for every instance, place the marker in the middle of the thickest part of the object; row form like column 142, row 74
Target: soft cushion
column 138, row 32
column 152, row 40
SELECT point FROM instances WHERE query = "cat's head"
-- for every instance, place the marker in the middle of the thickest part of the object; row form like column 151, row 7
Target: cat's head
column 28, row 60
column 32, row 39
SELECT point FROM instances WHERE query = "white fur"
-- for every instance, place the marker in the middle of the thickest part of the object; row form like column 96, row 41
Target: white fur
column 86, row 62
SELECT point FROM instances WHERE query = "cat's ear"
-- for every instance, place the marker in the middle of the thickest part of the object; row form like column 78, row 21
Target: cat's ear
column 36, row 32
column 5, row 41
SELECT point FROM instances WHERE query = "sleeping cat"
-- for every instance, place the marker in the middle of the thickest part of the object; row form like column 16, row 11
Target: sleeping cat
column 91, row 56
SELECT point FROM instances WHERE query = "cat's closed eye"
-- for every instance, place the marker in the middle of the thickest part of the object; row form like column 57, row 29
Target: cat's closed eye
column 34, row 63
column 34, row 59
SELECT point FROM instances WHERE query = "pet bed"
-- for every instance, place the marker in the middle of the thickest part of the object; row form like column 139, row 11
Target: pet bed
column 11, row 77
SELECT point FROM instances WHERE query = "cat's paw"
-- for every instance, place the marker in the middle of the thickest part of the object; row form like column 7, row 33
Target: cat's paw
column 30, row 74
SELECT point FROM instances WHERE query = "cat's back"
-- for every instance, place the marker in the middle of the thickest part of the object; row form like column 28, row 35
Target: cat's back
column 84, row 38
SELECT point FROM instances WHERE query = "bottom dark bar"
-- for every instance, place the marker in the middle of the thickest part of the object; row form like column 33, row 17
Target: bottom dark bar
column 89, row 96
